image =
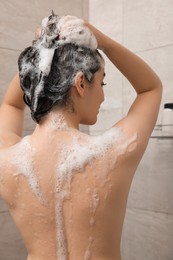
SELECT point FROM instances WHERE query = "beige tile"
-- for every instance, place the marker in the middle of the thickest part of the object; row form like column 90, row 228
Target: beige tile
column 17, row 8
column 106, row 119
column 147, row 24
column 29, row 123
column 111, row 109
column 84, row 128
column 107, row 16
column 63, row 7
column 3, row 206
column 161, row 61
column 18, row 36
column 37, row 9
column 147, row 235
column 11, row 245
column 152, row 185
column 8, row 68
column 19, row 19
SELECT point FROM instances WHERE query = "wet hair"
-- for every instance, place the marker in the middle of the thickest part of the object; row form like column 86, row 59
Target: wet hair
column 44, row 91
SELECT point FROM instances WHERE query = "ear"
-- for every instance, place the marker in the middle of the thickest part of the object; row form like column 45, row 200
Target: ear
column 79, row 83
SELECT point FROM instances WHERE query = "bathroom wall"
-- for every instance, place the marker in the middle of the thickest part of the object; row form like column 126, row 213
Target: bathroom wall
column 146, row 27
column 18, row 20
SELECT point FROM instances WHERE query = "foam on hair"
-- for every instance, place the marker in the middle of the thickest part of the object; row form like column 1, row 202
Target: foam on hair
column 48, row 67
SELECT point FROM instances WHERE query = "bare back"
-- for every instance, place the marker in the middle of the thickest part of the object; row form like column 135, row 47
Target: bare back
column 70, row 192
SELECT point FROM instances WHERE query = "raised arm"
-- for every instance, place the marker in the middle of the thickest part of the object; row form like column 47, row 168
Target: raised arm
column 143, row 112
column 11, row 114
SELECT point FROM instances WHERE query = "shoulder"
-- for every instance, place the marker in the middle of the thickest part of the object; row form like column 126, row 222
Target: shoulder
column 134, row 142
column 9, row 160
column 10, row 151
column 112, row 143
column 115, row 151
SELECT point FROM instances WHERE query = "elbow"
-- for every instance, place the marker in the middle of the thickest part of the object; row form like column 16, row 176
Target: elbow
column 160, row 87
column 158, row 90
column 157, row 86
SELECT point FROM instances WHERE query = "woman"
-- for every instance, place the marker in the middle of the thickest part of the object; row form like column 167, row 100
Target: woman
column 67, row 191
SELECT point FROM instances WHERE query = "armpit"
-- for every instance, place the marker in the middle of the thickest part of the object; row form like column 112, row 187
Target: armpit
column 8, row 139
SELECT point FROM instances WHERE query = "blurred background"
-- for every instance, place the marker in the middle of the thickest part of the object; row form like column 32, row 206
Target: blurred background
column 146, row 27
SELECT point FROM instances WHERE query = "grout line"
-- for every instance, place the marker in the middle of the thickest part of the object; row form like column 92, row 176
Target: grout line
column 85, row 9
column 149, row 210
column 161, row 137
column 4, row 211
column 9, row 49
column 154, row 48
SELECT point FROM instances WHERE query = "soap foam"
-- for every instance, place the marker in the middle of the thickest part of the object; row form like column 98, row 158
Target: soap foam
column 68, row 29
column 57, row 122
column 46, row 56
column 88, row 253
column 24, row 163
column 1, row 143
column 57, row 31
column 62, row 252
column 93, row 148
column 73, row 159
column 95, row 200
column 73, row 30
column 95, row 204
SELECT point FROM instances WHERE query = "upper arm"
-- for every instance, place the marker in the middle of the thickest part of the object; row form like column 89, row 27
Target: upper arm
column 142, row 115
column 12, row 113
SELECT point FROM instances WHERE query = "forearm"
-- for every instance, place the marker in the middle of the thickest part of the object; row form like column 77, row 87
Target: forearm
column 140, row 75
column 12, row 108
column 11, row 119
column 14, row 94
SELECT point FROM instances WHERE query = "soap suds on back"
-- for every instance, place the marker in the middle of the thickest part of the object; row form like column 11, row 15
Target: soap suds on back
column 88, row 253
column 73, row 159
column 23, row 159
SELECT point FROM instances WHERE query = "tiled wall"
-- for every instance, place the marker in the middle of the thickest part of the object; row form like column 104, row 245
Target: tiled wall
column 18, row 20
column 148, row 229
column 146, row 27
column 108, row 16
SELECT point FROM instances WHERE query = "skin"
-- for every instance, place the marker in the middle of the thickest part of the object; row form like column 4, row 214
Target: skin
column 35, row 220
column 12, row 114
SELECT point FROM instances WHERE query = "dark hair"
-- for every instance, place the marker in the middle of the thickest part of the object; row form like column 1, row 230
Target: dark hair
column 41, row 91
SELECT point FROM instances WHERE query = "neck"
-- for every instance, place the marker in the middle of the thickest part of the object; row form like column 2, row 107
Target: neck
column 58, row 119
